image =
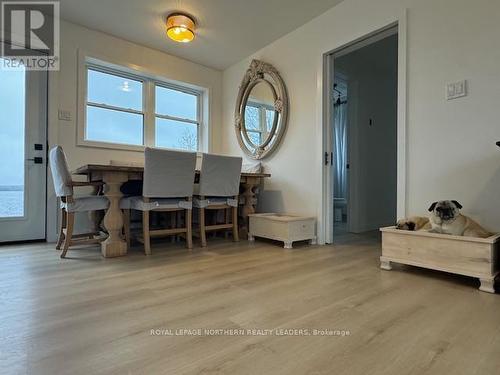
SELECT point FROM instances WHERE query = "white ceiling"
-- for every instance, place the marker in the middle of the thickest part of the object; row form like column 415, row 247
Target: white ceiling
column 227, row 30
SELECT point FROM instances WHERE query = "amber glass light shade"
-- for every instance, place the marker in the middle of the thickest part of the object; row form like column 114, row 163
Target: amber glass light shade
column 180, row 28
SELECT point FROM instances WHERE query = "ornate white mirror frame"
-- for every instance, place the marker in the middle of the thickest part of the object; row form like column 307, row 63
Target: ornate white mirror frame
column 261, row 72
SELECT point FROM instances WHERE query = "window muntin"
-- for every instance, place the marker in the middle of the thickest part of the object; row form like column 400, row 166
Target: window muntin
column 176, row 104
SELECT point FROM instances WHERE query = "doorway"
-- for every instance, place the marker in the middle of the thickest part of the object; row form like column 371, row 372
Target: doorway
column 340, row 165
column 23, row 142
column 364, row 160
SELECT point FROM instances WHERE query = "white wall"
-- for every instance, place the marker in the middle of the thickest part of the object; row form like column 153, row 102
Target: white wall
column 63, row 94
column 371, row 74
column 451, row 150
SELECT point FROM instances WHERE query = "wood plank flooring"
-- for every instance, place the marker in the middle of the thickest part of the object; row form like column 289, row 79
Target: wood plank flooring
column 89, row 315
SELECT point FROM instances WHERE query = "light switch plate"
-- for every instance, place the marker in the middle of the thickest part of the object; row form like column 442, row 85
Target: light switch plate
column 456, row 90
column 64, row 115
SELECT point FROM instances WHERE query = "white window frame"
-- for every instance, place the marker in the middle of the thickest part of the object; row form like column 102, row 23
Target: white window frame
column 148, row 104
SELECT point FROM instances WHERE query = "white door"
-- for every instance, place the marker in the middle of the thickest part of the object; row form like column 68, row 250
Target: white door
column 23, row 124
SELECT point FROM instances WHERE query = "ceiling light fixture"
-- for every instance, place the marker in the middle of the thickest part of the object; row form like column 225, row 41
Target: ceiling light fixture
column 125, row 87
column 180, row 28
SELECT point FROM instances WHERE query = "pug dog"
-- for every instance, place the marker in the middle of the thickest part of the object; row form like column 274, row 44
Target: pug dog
column 413, row 223
column 446, row 218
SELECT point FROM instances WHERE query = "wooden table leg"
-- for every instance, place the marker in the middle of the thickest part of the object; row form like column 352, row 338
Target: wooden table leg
column 249, row 184
column 95, row 217
column 114, row 245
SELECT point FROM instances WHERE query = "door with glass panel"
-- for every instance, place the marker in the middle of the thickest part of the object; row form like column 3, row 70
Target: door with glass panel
column 23, row 118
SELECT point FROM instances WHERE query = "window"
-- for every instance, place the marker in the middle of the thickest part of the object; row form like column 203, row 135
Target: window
column 13, row 106
column 114, row 109
column 176, row 119
column 123, row 109
column 259, row 121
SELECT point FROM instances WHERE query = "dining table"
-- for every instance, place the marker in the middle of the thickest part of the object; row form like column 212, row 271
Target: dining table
column 113, row 176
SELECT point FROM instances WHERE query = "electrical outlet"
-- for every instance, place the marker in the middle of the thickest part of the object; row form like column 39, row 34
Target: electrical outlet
column 64, row 115
column 456, row 90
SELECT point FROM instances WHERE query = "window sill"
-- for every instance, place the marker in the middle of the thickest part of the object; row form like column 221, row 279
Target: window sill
column 110, row 146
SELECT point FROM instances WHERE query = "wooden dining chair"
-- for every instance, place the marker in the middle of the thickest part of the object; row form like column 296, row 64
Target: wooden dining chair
column 168, row 187
column 218, row 189
column 70, row 205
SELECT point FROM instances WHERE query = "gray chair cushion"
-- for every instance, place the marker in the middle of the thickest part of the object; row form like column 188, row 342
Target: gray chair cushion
column 168, row 174
column 137, row 203
column 87, row 203
column 220, row 176
column 60, row 172
column 214, row 201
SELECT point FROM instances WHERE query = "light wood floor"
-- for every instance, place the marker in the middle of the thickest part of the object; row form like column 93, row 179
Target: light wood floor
column 88, row 315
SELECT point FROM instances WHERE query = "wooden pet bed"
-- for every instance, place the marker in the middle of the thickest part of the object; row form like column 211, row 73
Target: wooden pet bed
column 469, row 256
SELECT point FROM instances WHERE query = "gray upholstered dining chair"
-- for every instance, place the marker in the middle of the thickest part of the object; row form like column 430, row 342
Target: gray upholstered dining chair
column 167, row 186
column 63, row 185
column 218, row 189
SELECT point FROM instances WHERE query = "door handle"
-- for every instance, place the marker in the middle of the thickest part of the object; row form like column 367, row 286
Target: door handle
column 36, row 160
column 328, row 158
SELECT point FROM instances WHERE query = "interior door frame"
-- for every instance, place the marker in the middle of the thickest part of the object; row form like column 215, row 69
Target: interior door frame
column 40, row 115
column 325, row 144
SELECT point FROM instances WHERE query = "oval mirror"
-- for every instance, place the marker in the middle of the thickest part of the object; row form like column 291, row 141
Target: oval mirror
column 261, row 110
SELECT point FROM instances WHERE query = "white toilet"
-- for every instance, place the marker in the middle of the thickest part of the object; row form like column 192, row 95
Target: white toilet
column 340, row 208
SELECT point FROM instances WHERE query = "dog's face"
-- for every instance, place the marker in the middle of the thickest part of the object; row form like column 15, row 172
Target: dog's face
column 405, row 224
column 445, row 210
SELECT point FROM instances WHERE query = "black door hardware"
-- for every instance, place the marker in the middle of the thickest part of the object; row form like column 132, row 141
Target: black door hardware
column 37, row 160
